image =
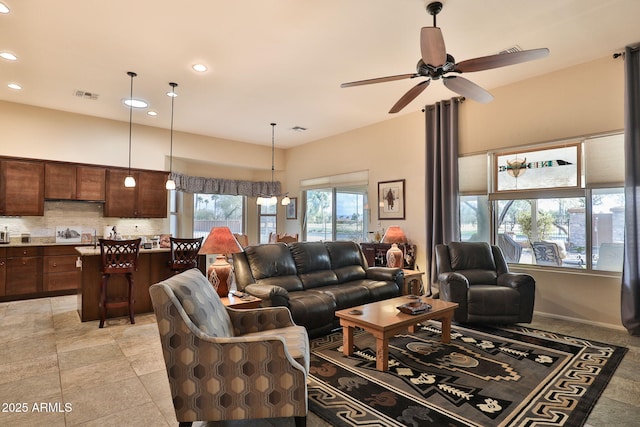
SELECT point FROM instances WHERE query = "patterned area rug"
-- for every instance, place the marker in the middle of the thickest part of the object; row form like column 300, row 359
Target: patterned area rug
column 512, row 376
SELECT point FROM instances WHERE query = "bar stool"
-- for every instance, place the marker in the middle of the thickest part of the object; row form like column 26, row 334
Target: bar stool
column 118, row 257
column 184, row 254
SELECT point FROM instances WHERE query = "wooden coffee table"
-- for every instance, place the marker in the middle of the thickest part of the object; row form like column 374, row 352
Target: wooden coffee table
column 383, row 320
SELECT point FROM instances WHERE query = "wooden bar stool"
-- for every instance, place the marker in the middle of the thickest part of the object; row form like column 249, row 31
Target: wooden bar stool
column 184, row 254
column 118, row 257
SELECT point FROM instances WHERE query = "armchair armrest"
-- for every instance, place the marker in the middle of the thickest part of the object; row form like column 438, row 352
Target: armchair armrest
column 259, row 319
column 271, row 295
column 453, row 287
column 516, row 280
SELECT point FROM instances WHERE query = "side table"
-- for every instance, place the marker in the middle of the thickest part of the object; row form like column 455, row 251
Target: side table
column 412, row 282
column 240, row 303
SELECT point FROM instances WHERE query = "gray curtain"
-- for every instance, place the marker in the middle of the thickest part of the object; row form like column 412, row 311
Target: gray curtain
column 630, row 298
column 233, row 187
column 441, row 178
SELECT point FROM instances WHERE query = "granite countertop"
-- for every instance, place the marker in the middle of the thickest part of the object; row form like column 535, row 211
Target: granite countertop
column 18, row 244
column 90, row 250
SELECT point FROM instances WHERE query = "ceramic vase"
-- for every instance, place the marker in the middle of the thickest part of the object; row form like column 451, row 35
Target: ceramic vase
column 395, row 257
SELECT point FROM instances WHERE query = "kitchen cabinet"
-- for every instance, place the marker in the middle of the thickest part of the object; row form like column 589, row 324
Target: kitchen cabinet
column 67, row 181
column 60, row 269
column 21, row 187
column 23, row 270
column 3, row 270
column 148, row 199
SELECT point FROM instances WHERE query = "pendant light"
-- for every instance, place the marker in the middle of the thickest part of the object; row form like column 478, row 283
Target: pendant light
column 171, row 184
column 130, row 181
column 272, row 199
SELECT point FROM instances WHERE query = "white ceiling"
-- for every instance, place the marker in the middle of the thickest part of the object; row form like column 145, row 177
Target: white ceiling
column 280, row 60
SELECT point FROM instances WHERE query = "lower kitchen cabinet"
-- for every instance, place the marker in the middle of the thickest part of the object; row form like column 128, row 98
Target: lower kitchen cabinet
column 60, row 269
column 3, row 270
column 24, row 270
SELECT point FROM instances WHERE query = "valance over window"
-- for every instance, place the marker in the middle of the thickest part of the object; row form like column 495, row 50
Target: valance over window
column 234, row 187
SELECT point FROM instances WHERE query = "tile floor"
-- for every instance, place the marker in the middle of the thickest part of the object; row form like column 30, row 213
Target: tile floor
column 115, row 376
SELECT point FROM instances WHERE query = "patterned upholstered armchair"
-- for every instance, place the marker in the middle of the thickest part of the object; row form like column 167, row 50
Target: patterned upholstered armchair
column 226, row 364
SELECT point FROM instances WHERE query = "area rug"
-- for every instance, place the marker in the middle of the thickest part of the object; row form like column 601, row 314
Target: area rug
column 485, row 376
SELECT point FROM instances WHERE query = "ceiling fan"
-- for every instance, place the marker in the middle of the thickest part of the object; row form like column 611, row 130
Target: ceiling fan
column 435, row 63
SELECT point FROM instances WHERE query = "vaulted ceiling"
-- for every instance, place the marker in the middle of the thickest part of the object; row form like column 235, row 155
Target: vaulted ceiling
column 280, row 60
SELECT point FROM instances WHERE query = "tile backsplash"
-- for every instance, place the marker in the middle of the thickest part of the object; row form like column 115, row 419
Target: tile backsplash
column 87, row 216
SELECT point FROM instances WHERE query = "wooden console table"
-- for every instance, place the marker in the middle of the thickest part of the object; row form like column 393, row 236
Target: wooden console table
column 376, row 254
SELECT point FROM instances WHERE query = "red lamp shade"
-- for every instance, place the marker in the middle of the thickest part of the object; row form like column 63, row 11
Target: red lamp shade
column 394, row 234
column 222, row 242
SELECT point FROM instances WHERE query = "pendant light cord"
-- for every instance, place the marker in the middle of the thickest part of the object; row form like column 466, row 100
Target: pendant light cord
column 173, row 97
column 132, row 74
column 273, row 148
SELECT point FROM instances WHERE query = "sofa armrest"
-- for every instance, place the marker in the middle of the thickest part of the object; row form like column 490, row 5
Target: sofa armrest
column 259, row 319
column 385, row 273
column 271, row 296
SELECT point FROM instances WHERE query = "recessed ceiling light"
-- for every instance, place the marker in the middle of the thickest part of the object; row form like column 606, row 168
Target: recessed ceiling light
column 152, row 113
column 8, row 56
column 135, row 103
column 201, row 68
column 15, row 86
column 3, row 8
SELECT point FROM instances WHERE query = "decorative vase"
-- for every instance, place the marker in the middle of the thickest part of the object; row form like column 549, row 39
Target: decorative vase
column 395, row 256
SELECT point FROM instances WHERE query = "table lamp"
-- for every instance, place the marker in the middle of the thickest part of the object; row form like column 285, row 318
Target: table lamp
column 222, row 242
column 395, row 256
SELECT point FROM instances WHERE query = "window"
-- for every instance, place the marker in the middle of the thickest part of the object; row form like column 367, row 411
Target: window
column 217, row 210
column 336, row 214
column 267, row 218
column 557, row 205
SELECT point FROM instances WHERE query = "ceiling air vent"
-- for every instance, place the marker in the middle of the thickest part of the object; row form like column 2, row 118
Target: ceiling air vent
column 298, row 129
column 86, row 95
column 512, row 49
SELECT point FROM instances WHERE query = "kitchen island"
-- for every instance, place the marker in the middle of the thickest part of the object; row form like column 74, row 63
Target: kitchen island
column 153, row 267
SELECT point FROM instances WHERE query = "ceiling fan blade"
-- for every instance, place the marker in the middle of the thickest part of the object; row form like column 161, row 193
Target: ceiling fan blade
column 409, row 96
column 380, row 80
column 432, row 46
column 500, row 60
column 467, row 89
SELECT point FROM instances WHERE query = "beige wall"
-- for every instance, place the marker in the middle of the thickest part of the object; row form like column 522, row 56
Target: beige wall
column 577, row 101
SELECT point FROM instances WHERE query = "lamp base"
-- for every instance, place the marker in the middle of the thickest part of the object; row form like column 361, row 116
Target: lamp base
column 218, row 274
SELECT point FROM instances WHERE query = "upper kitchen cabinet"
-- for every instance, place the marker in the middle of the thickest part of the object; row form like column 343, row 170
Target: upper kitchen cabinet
column 74, row 182
column 21, row 187
column 148, row 199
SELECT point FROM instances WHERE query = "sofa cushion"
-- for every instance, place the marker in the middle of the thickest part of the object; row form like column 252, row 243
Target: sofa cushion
column 471, row 256
column 380, row 290
column 347, row 294
column 504, row 301
column 313, row 264
column 274, row 265
column 344, row 254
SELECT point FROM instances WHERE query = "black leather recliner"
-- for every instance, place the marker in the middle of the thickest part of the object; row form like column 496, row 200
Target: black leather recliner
column 476, row 276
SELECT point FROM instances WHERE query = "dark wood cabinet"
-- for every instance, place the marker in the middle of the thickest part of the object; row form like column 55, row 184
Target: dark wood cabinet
column 21, row 187
column 3, row 270
column 376, row 254
column 23, row 271
column 67, row 181
column 148, row 199
column 60, row 269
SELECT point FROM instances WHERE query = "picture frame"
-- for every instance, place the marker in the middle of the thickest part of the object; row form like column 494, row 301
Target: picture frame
column 391, row 201
column 292, row 209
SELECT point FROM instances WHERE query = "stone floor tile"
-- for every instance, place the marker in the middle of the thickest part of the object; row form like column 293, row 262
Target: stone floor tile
column 26, row 347
column 105, row 399
column 143, row 415
column 87, row 376
column 89, row 355
column 26, row 368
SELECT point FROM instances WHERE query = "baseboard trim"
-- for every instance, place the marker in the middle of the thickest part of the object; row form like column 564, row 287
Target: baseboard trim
column 582, row 321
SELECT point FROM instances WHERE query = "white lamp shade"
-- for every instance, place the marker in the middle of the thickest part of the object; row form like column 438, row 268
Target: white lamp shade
column 170, row 185
column 129, row 182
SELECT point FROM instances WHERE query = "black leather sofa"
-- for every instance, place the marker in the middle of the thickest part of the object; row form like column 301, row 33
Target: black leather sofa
column 313, row 280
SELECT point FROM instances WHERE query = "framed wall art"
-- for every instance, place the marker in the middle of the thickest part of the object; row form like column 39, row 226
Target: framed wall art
column 292, row 209
column 391, row 199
